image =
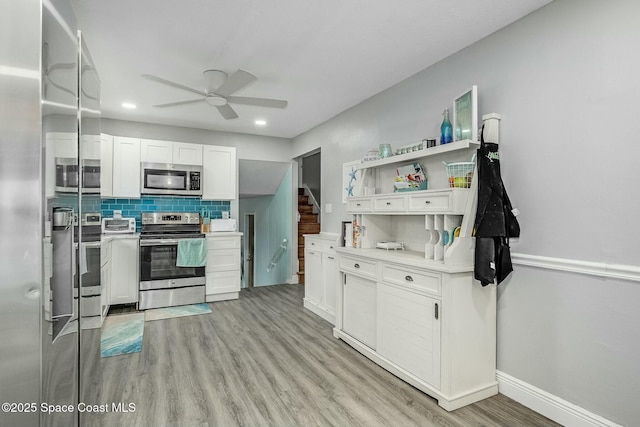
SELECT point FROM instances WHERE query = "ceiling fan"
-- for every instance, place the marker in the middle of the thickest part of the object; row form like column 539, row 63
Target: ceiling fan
column 218, row 89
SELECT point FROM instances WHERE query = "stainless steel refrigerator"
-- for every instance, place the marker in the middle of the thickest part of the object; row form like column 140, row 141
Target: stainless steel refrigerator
column 49, row 103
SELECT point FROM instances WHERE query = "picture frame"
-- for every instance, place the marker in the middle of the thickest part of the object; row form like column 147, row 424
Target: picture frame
column 351, row 180
column 465, row 115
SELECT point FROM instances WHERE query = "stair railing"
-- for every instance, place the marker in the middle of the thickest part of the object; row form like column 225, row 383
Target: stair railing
column 277, row 255
column 316, row 205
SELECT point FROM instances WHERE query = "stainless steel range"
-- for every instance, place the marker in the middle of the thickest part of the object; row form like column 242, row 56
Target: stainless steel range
column 162, row 282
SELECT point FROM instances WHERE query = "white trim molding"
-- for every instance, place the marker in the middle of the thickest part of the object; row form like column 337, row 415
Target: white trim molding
column 553, row 407
column 601, row 269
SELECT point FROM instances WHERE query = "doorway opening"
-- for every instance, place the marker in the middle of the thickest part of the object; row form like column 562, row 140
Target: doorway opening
column 249, row 222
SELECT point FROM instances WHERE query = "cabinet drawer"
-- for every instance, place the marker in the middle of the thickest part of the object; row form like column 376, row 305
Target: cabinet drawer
column 223, row 243
column 419, row 280
column 223, row 260
column 430, row 203
column 390, row 204
column 329, row 247
column 358, row 205
column 311, row 243
column 222, row 282
column 358, row 266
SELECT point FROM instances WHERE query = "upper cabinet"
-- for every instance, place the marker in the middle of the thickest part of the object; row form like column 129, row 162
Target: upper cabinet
column 187, row 154
column 120, row 167
column 153, row 151
column 219, row 181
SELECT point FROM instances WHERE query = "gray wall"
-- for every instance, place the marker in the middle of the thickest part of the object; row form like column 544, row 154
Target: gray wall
column 311, row 174
column 251, row 147
column 565, row 79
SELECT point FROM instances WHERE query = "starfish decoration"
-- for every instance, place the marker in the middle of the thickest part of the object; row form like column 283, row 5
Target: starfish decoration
column 349, row 190
column 352, row 174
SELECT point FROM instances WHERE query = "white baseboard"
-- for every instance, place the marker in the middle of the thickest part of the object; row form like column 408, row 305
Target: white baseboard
column 553, row 407
column 293, row 280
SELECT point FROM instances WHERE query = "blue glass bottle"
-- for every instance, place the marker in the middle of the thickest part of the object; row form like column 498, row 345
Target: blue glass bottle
column 446, row 132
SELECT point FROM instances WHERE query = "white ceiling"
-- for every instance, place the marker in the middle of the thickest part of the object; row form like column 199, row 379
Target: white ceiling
column 323, row 56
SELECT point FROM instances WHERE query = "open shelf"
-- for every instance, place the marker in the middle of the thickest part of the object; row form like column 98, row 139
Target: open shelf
column 425, row 152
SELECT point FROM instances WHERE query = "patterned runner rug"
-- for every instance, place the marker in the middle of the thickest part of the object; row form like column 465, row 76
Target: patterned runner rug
column 179, row 311
column 122, row 334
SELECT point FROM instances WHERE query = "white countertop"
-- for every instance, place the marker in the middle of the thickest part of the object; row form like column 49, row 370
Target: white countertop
column 223, row 233
column 410, row 258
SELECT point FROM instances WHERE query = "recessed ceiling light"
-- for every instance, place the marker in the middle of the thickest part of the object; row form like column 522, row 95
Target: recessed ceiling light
column 129, row 105
column 261, row 122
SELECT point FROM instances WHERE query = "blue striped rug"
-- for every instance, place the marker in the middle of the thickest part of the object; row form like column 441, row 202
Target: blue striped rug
column 122, row 334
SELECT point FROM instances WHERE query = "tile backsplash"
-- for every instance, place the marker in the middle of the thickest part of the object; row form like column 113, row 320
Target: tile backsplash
column 134, row 207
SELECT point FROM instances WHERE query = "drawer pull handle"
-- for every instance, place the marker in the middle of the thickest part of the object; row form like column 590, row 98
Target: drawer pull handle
column 427, row 201
column 388, row 203
column 357, row 204
column 408, row 278
column 356, row 265
column 330, row 257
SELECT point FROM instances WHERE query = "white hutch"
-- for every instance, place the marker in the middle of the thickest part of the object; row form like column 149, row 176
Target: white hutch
column 418, row 312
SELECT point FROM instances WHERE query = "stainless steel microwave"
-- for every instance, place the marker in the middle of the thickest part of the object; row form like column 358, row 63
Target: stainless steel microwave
column 171, row 179
column 67, row 175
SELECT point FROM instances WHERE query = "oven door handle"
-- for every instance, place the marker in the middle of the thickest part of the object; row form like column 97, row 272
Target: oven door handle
column 158, row 242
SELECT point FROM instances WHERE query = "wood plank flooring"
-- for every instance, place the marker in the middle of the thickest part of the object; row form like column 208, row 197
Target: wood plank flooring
column 264, row 360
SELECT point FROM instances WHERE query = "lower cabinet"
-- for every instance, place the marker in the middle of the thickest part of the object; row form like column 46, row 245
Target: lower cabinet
column 223, row 266
column 321, row 274
column 122, row 272
column 431, row 325
column 359, row 309
column 409, row 331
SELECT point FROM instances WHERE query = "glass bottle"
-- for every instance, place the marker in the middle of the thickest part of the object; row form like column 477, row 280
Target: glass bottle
column 446, row 132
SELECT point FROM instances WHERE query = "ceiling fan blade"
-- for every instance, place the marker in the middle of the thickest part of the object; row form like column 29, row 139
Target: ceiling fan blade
column 227, row 112
column 173, row 104
column 237, row 81
column 261, row 102
column 173, row 84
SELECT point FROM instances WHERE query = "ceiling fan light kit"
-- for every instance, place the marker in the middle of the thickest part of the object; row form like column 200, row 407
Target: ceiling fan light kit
column 218, row 90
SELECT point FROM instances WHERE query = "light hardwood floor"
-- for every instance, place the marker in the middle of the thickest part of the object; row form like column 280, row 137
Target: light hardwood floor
column 264, row 360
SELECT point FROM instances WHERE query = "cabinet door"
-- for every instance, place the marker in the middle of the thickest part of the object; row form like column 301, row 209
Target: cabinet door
column 409, row 331
column 330, row 278
column 313, row 275
column 124, row 271
column 65, row 145
column 152, row 151
column 126, row 167
column 219, row 173
column 106, row 165
column 90, row 147
column 222, row 282
column 359, row 309
column 187, row 154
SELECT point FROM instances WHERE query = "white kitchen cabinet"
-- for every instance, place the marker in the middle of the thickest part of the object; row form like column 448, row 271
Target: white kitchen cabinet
column 359, row 305
column 65, row 144
column 123, row 277
column 152, row 151
column 187, row 154
column 90, row 147
column 106, row 165
column 222, row 270
column 126, row 167
column 321, row 274
column 219, row 181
